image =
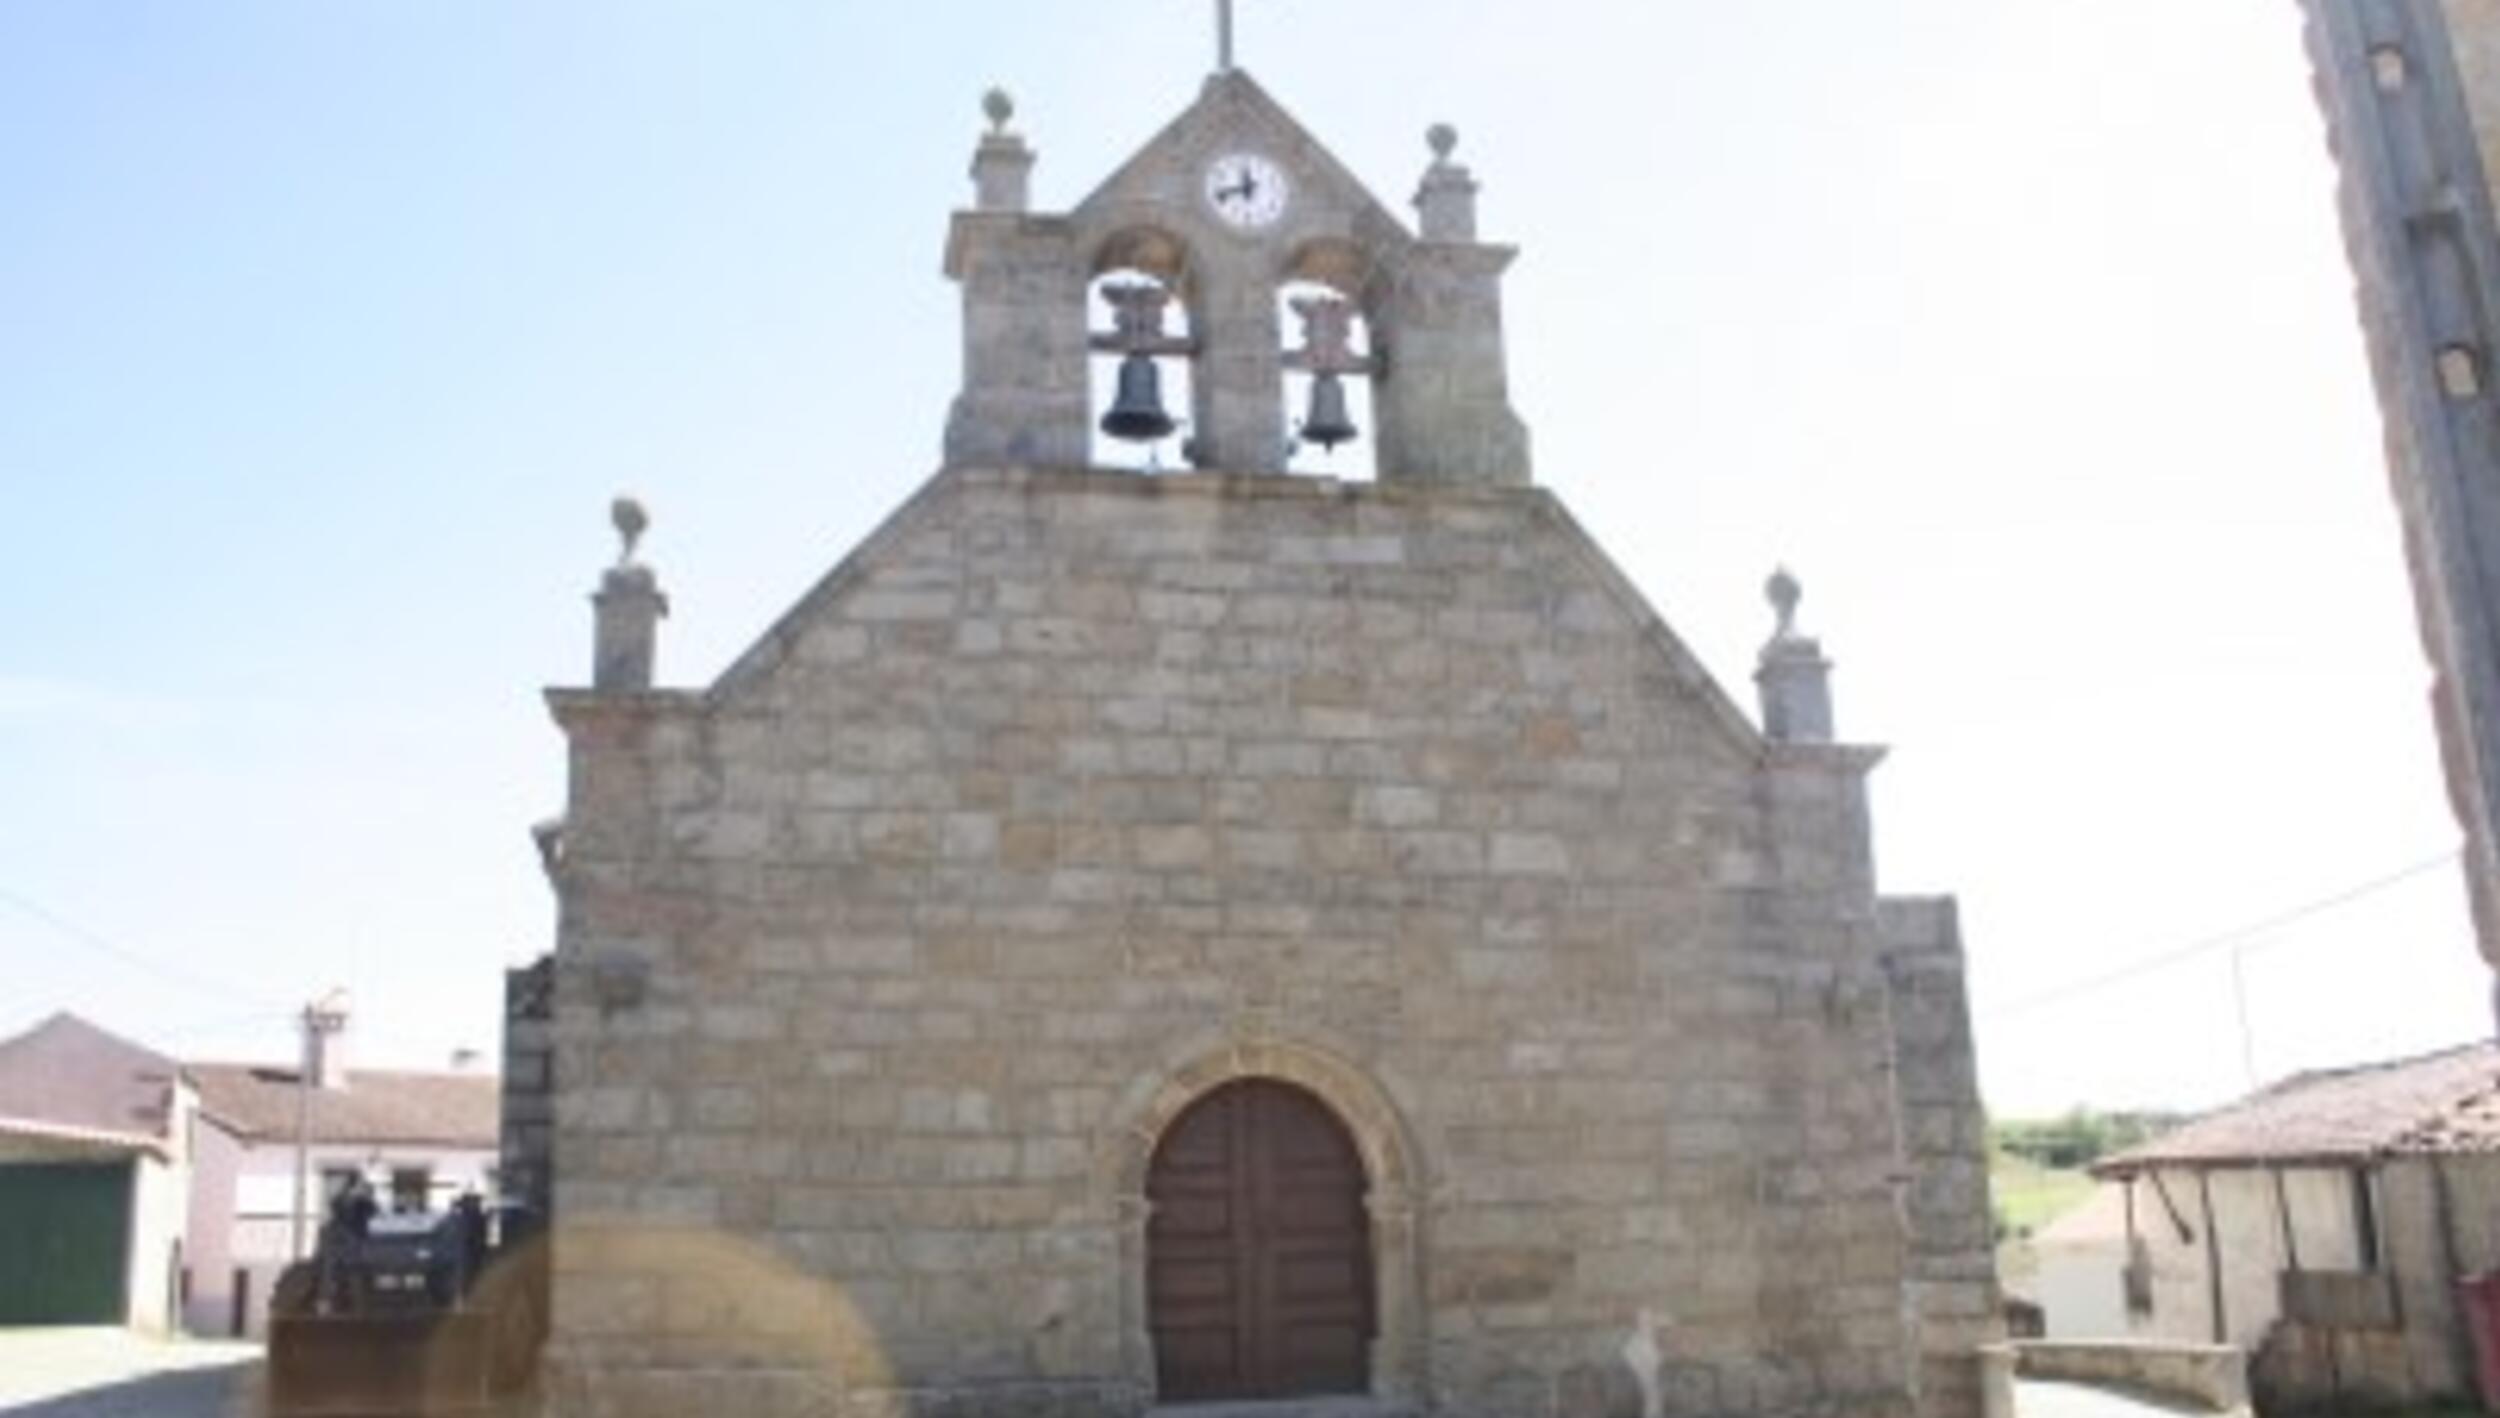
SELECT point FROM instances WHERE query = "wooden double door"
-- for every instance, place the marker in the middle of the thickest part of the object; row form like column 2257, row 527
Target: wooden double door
column 1258, row 1250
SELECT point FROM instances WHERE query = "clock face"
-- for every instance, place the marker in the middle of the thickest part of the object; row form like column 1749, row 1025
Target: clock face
column 1248, row 191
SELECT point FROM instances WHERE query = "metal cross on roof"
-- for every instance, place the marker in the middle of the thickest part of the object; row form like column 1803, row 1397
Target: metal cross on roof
column 1223, row 36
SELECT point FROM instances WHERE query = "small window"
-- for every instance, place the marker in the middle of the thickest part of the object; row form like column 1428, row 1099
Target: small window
column 410, row 1186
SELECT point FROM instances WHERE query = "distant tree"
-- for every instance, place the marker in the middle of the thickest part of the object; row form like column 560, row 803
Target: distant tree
column 2079, row 1138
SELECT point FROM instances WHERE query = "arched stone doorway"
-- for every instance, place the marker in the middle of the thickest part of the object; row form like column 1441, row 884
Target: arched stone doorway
column 1258, row 1249
column 1362, row 1103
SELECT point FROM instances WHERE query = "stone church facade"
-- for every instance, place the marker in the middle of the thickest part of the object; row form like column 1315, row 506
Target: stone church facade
column 1140, row 938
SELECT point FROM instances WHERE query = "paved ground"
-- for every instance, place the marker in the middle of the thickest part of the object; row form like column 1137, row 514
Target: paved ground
column 112, row 1373
column 2038, row 1398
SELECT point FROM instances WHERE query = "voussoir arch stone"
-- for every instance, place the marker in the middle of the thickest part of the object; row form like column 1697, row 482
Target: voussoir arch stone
column 1392, row 1166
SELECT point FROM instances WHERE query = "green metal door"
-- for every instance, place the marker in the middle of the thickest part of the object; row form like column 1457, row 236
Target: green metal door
column 64, row 1244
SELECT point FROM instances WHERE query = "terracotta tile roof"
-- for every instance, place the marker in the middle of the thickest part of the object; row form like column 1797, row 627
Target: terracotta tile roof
column 76, row 1079
column 377, row 1105
column 2443, row 1102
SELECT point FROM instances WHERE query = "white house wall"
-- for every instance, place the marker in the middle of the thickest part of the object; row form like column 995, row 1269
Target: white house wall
column 2247, row 1221
column 160, row 1196
column 2176, row 1258
column 2081, row 1289
column 2321, row 1203
column 209, row 1257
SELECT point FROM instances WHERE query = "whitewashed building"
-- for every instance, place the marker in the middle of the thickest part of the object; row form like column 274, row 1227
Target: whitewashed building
column 421, row 1138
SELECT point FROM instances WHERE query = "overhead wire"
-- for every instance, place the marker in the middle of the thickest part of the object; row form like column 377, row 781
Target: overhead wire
column 2206, row 944
column 97, row 941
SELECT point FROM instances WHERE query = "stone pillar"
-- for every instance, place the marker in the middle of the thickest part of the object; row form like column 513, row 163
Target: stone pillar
column 1794, row 679
column 1816, row 786
column 1442, row 396
column 528, row 1141
column 1237, row 382
column 2408, row 87
column 629, row 606
column 1024, row 384
column 1446, row 203
column 1002, row 167
column 1951, row 1285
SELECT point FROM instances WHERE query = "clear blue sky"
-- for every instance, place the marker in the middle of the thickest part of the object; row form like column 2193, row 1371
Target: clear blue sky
column 2019, row 327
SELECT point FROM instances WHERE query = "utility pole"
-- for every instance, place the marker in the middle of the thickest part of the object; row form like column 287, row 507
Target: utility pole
column 323, row 1017
column 2239, row 994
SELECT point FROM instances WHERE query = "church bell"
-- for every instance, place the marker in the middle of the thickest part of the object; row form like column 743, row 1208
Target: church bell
column 1328, row 424
column 1136, row 412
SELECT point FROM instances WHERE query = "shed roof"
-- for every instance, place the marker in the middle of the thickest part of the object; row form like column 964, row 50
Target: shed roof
column 258, row 1101
column 68, row 1078
column 2443, row 1102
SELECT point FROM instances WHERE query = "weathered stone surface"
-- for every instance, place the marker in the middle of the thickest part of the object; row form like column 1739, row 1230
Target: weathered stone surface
column 885, row 962
column 897, row 1051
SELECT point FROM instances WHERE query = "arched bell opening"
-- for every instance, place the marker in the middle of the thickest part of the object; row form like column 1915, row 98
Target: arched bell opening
column 1141, row 344
column 1259, row 1274
column 1329, row 362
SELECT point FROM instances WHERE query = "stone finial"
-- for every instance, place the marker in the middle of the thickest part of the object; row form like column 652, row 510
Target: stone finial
column 1002, row 166
column 630, row 521
column 1446, row 203
column 1794, row 679
column 627, row 608
column 1784, row 593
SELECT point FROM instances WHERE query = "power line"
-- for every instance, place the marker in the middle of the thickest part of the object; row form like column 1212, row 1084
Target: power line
column 2205, row 944
column 96, row 941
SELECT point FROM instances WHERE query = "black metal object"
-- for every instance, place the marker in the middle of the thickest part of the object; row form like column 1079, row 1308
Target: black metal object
column 1137, row 413
column 409, row 1314
column 1328, row 424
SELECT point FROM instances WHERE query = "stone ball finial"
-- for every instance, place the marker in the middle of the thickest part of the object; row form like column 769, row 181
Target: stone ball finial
column 999, row 106
column 630, row 521
column 1443, row 140
column 1784, row 594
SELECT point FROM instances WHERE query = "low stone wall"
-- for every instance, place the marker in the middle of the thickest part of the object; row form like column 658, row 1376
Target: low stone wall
column 2212, row 1375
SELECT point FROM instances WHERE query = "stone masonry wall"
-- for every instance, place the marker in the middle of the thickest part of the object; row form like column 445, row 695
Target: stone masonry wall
column 1071, row 794
column 1944, row 1132
column 528, row 1099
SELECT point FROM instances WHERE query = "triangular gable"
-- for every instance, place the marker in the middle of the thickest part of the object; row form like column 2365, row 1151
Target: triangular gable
column 1233, row 111
column 774, row 647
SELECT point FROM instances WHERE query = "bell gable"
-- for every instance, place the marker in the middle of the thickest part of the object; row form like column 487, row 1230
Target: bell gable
column 1167, row 184
column 1233, row 212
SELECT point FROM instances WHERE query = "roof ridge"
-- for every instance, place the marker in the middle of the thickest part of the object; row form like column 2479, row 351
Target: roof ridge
column 2349, row 1113
column 353, row 1070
